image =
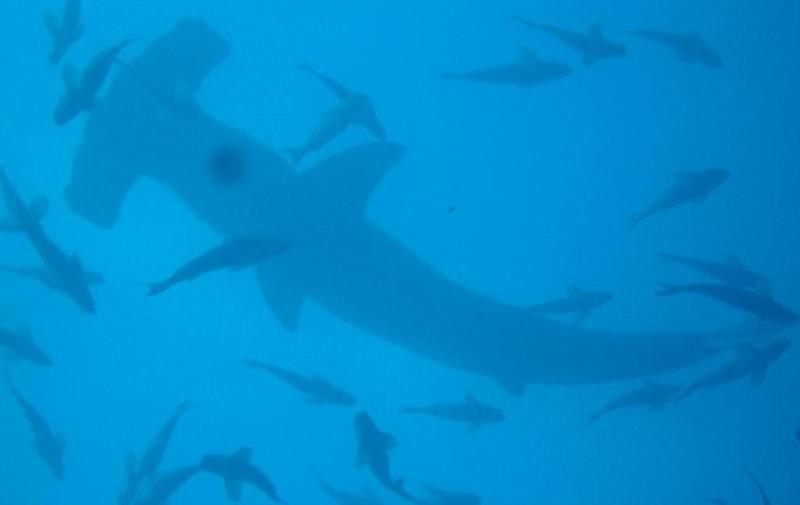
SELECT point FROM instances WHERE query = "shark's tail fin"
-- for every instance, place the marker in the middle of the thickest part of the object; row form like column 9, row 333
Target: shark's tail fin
column 668, row 290
column 593, row 418
column 156, row 288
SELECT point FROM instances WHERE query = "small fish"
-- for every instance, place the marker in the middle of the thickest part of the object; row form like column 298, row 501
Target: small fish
column 65, row 31
column 318, row 390
column 527, row 71
column 578, row 301
column 748, row 301
column 593, row 45
column 689, row 48
column 731, row 271
column 20, row 344
column 374, row 447
column 49, row 446
column 147, row 468
column 352, row 109
column 688, row 187
column 751, row 361
column 470, row 411
column 233, row 254
column 236, row 470
column 165, row 487
column 65, row 272
column 651, row 394
column 80, row 93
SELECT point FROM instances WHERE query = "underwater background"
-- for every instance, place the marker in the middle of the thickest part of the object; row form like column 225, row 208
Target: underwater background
column 514, row 192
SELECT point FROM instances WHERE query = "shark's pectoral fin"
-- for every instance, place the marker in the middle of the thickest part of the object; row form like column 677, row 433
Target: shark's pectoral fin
column 234, row 490
column 284, row 294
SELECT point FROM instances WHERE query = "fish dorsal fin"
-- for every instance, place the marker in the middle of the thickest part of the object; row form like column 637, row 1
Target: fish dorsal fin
column 242, row 455
column 69, row 75
column 38, row 208
column 233, row 487
column 528, row 55
column 351, row 176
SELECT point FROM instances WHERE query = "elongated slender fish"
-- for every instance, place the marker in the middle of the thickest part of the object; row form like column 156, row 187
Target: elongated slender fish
column 688, row 187
column 235, row 254
column 67, row 271
column 755, row 303
column 578, row 301
column 689, row 48
column 470, row 411
column 653, row 395
column 165, row 486
column 80, row 93
column 593, row 45
column 147, row 467
column 236, row 470
column 64, row 31
column 374, row 446
column 353, row 108
column 527, row 71
column 751, row 361
column 20, row 344
column 50, row 280
column 730, row 271
column 318, row 390
column 48, row 445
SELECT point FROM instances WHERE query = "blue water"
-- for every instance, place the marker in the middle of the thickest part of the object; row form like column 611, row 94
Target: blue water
column 514, row 193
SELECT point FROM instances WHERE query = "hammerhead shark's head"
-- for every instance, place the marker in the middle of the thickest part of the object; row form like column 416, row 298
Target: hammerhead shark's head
column 341, row 261
column 527, row 71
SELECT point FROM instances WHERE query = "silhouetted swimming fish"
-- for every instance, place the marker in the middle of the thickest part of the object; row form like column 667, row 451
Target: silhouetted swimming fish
column 470, row 411
column 689, row 48
column 653, row 395
column 593, row 45
column 20, row 344
column 236, row 470
column 317, row 390
column 755, row 303
column 374, row 446
column 527, row 71
column 65, row 31
column 49, row 446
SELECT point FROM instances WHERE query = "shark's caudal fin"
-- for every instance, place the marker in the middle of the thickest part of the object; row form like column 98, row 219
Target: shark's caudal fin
column 352, row 175
column 105, row 166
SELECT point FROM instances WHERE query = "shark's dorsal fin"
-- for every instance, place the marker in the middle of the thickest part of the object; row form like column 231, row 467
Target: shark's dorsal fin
column 351, row 176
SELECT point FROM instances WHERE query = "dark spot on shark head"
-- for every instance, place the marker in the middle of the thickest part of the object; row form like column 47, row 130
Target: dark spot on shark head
column 228, row 165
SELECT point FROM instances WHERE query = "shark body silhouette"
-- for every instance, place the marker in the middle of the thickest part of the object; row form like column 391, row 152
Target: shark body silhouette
column 150, row 127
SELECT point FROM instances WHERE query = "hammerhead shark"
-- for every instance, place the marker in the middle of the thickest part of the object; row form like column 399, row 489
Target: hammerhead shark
column 338, row 259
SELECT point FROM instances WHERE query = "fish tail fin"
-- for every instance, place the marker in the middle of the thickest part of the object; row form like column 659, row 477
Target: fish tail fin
column 668, row 290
